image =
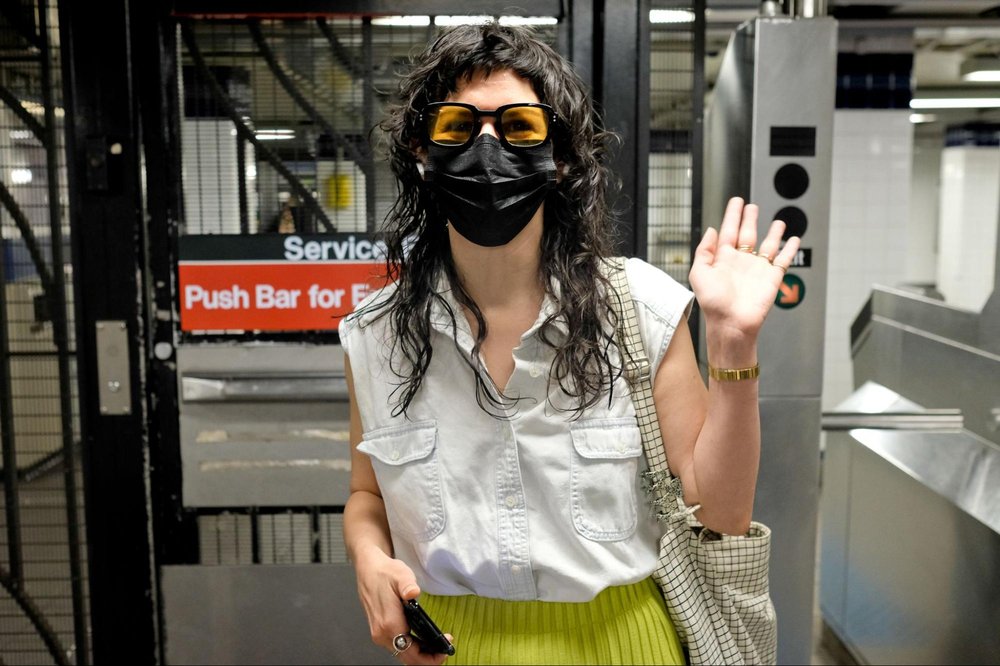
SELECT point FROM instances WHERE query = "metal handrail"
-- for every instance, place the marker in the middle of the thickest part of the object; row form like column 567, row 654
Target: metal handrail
column 264, row 388
column 929, row 419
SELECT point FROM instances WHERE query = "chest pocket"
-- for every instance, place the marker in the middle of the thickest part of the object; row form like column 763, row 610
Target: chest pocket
column 604, row 476
column 406, row 466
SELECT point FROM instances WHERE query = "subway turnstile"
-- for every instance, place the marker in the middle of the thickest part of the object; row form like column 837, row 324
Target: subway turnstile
column 769, row 135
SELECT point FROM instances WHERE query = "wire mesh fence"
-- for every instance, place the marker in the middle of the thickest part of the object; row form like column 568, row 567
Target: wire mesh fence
column 40, row 621
column 279, row 128
column 671, row 122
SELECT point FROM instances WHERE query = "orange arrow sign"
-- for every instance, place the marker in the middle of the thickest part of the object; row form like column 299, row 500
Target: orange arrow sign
column 789, row 293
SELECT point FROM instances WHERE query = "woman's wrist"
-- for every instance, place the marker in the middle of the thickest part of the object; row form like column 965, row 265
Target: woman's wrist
column 730, row 349
column 367, row 552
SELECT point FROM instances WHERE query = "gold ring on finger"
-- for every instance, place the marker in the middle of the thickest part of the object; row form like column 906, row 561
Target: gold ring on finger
column 769, row 258
column 746, row 248
column 783, row 269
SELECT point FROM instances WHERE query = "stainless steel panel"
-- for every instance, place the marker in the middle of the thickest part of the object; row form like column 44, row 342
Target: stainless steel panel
column 933, row 371
column 780, row 72
column 761, row 86
column 728, row 122
column 263, row 425
column 927, row 314
column 960, row 467
column 276, row 388
column 834, row 508
column 910, row 540
column 274, row 614
column 932, row 419
column 787, row 501
column 795, row 86
column 114, row 383
column 873, row 398
column 923, row 575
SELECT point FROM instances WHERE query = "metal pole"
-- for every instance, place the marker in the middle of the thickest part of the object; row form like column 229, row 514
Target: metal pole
column 254, row 535
column 812, row 8
column 61, row 339
column 368, row 102
column 12, row 505
column 241, row 180
column 317, row 543
column 697, row 145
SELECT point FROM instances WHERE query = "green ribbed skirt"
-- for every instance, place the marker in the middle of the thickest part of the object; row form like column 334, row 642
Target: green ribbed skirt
column 622, row 625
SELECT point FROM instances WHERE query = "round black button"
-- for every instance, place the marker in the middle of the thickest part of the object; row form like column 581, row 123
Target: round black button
column 791, row 181
column 795, row 221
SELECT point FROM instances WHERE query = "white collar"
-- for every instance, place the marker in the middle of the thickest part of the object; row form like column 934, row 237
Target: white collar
column 442, row 321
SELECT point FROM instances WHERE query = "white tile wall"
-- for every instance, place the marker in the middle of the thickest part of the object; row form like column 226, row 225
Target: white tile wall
column 869, row 224
column 967, row 237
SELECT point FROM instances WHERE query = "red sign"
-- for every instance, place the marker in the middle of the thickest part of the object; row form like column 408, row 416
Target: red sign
column 269, row 294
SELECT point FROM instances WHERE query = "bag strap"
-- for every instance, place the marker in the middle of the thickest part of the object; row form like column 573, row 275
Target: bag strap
column 663, row 487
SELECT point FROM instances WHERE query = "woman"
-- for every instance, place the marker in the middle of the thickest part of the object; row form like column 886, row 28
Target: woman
column 495, row 449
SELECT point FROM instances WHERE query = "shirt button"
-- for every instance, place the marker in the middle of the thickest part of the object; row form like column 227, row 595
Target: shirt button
column 515, row 569
column 511, row 501
column 535, row 372
column 395, row 455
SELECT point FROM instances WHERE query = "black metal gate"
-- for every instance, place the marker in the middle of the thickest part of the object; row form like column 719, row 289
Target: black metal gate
column 43, row 610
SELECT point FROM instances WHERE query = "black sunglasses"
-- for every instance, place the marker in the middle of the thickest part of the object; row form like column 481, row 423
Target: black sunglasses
column 456, row 125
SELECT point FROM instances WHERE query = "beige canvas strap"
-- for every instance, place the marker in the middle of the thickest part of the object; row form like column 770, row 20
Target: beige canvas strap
column 664, row 488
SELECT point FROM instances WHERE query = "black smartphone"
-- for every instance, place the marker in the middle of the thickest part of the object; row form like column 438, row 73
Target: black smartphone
column 428, row 637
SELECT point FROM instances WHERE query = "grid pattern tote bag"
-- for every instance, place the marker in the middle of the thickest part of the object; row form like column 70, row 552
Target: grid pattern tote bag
column 715, row 586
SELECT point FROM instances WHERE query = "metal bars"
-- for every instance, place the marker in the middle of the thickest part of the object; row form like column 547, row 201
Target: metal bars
column 43, row 572
column 307, row 95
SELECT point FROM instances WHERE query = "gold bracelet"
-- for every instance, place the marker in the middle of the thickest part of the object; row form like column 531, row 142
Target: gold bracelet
column 734, row 374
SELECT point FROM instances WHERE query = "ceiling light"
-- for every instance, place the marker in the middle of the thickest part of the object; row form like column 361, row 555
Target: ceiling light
column 955, row 103
column 275, row 134
column 39, row 110
column 20, row 176
column 528, row 20
column 671, row 16
column 402, row 21
column 461, row 20
column 981, row 69
column 920, row 118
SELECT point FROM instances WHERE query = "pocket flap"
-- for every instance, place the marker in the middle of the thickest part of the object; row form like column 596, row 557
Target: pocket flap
column 398, row 445
column 607, row 438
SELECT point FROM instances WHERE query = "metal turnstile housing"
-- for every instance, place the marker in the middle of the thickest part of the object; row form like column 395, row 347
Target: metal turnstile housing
column 773, row 108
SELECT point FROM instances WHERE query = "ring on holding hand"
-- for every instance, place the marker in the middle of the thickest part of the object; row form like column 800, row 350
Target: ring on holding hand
column 746, row 248
column 401, row 643
column 769, row 258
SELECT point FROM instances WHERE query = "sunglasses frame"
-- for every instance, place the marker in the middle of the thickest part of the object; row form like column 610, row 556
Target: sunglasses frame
column 477, row 119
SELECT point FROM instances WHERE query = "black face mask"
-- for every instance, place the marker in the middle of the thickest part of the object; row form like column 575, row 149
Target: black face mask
column 489, row 192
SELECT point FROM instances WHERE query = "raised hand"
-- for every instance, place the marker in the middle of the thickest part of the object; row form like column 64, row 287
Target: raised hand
column 734, row 280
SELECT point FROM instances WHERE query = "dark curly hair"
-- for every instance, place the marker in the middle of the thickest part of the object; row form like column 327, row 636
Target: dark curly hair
column 577, row 226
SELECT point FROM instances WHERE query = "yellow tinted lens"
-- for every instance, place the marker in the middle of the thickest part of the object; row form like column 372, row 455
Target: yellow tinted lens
column 450, row 125
column 525, row 126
